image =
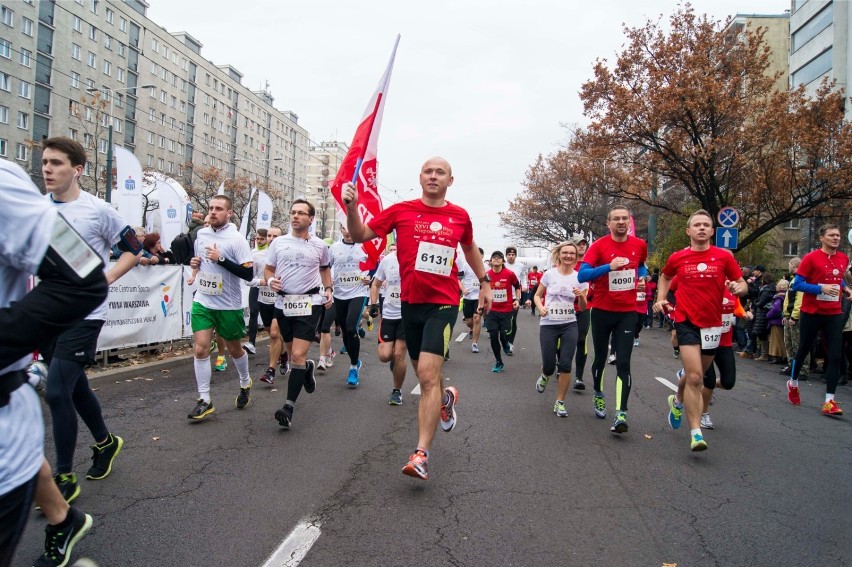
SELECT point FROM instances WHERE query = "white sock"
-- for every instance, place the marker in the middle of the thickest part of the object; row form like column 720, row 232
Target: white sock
column 695, row 431
column 678, row 404
column 242, row 364
column 203, row 371
column 829, row 397
column 794, row 383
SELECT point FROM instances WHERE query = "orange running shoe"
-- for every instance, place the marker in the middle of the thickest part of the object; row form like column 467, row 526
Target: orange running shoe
column 448, row 410
column 417, row 465
column 831, row 408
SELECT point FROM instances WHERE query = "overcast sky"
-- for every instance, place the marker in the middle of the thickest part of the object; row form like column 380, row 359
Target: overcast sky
column 485, row 84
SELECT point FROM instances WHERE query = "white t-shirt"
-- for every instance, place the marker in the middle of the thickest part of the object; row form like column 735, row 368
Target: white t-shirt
column 99, row 224
column 297, row 262
column 520, row 270
column 469, row 281
column 559, row 298
column 346, row 270
column 217, row 287
column 22, row 249
column 265, row 293
column 388, row 272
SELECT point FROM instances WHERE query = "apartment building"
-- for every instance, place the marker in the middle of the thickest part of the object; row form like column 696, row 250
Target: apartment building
column 177, row 111
column 325, row 160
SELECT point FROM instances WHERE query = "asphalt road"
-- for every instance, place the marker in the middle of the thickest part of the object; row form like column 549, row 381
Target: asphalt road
column 511, row 485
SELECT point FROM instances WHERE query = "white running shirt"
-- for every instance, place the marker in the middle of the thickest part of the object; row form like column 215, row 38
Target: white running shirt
column 388, row 272
column 233, row 247
column 297, row 262
column 559, row 296
column 346, row 270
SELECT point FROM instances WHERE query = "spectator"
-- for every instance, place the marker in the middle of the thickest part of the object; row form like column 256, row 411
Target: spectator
column 777, row 350
column 792, row 310
column 759, row 308
column 154, row 246
column 846, row 359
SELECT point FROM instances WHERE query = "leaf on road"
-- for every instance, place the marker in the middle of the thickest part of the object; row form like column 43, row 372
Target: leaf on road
column 648, row 436
column 274, row 390
column 149, row 379
column 165, row 371
column 157, row 439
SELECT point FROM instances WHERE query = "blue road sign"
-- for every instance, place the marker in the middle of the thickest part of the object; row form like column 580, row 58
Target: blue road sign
column 728, row 217
column 728, row 238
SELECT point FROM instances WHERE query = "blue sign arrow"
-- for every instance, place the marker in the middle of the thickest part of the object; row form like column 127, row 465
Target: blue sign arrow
column 728, row 238
column 728, row 217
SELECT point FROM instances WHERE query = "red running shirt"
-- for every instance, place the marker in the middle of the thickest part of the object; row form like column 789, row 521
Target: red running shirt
column 817, row 267
column 502, row 289
column 427, row 239
column 701, row 284
column 534, row 278
column 616, row 291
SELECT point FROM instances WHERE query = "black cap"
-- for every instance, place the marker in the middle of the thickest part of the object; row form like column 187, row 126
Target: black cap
column 499, row 254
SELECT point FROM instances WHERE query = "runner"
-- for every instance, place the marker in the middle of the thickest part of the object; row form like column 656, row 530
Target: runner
column 391, row 331
column 504, row 308
column 428, row 231
column 351, row 291
column 470, row 302
column 221, row 263
column 583, row 323
column 703, row 272
column 533, row 279
column 820, row 277
column 611, row 265
column 266, row 305
column 259, row 251
column 554, row 299
column 520, row 271
column 68, row 392
column 297, row 267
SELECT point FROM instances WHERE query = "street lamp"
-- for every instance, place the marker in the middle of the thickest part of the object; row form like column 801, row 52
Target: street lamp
column 108, row 192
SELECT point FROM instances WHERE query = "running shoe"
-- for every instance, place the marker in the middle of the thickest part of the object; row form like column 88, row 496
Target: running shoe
column 310, row 381
column 497, row 367
column 679, row 374
column 268, row 377
column 352, row 380
column 243, row 399
column 706, row 422
column 831, row 408
column 677, row 353
column 342, row 349
column 635, row 342
column 448, row 409
column 417, row 465
column 284, row 363
column 600, row 406
column 559, row 409
column 361, row 332
column 103, row 456
column 201, row 410
column 619, row 424
column 675, row 412
column 284, row 416
column 474, row 347
column 336, row 331
column 541, row 383
column 329, row 357
column 470, row 334
column 509, row 349
column 321, row 367
column 698, row 443
column 793, row 393
column 395, row 398
column 250, row 348
column 611, row 359
column 67, row 485
column 447, row 355
column 221, row 364
column 370, row 324
column 579, row 384
column 58, row 543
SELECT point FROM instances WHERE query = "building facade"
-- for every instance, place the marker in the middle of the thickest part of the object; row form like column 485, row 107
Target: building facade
column 325, row 160
column 74, row 68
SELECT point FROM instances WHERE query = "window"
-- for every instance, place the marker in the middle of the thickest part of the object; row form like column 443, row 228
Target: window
column 151, row 138
column 122, row 24
column 153, row 68
column 93, row 32
column 87, row 140
column 75, row 51
column 8, row 16
column 152, row 92
column 116, row 124
column 5, row 83
column 91, row 60
column 180, row 149
column 150, row 161
column 119, row 74
column 94, row 6
column 107, row 68
column 791, row 248
column 23, row 120
column 21, row 152
column 5, row 49
column 165, row 52
column 155, row 45
column 4, row 115
column 78, row 24
column 815, row 25
column 163, row 96
column 169, row 167
column 108, row 42
column 160, row 163
column 183, row 106
column 151, row 115
column 90, row 84
column 72, row 133
column 24, row 89
column 73, row 108
column 122, row 49
column 26, row 57
column 75, row 80
column 793, row 224
column 109, row 15
column 102, row 146
column 173, row 102
column 3, row 145
column 27, row 26
column 172, row 123
column 162, row 119
column 813, row 69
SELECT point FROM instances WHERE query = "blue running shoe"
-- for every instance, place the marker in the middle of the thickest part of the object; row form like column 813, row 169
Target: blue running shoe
column 352, row 379
column 361, row 332
column 497, row 367
column 619, row 424
column 675, row 412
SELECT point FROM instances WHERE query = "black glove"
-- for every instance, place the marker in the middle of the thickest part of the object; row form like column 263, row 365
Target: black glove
column 373, row 309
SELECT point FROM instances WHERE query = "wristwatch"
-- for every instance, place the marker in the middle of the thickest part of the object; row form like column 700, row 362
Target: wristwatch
column 485, row 279
column 221, row 259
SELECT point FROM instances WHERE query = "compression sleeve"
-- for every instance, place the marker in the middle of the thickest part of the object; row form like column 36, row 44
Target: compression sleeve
column 799, row 284
column 643, row 270
column 587, row 273
column 243, row 272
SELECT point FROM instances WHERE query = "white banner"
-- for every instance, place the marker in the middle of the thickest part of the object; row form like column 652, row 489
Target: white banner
column 264, row 211
column 144, row 307
column 127, row 197
column 221, row 189
column 244, row 225
column 171, row 211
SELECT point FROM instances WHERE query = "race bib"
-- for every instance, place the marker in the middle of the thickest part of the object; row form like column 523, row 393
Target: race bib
column 622, row 280
column 710, row 337
column 826, row 297
column 560, row 310
column 640, row 296
column 210, row 284
column 434, row 259
column 349, row 279
column 393, row 296
column 499, row 295
column 266, row 295
column 296, row 305
column 727, row 322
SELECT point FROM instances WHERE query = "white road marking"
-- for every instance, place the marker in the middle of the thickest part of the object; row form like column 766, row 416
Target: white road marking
column 461, row 337
column 665, row 382
column 416, row 390
column 296, row 545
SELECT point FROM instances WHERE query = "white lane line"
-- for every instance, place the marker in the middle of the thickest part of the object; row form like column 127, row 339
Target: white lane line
column 296, row 545
column 416, row 390
column 665, row 382
column 461, row 337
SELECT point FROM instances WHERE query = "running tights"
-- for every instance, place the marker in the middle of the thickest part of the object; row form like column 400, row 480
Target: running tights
column 724, row 361
column 809, row 327
column 348, row 315
column 565, row 335
column 583, row 321
column 620, row 326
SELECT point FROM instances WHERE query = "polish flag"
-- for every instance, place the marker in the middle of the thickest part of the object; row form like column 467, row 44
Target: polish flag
column 361, row 167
